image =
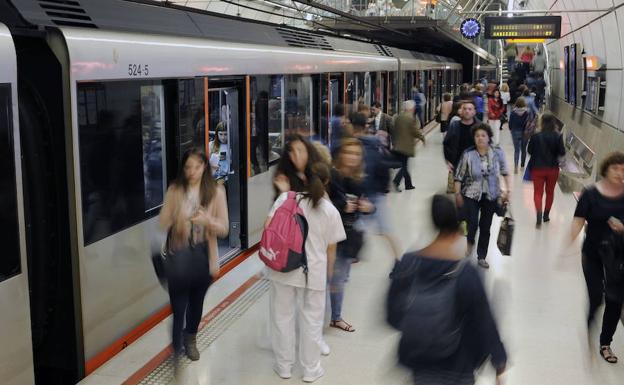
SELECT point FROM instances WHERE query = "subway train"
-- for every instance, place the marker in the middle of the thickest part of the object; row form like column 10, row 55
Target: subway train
column 98, row 102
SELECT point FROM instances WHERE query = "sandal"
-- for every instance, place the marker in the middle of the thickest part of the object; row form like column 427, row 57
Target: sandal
column 338, row 325
column 609, row 357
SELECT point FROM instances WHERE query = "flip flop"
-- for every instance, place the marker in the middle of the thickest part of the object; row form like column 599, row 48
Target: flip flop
column 346, row 328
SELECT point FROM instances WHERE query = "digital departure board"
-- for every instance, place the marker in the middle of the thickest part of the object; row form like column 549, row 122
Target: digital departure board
column 523, row 27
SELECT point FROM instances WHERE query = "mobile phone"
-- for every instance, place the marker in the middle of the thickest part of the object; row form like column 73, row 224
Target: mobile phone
column 615, row 221
column 351, row 197
column 223, row 155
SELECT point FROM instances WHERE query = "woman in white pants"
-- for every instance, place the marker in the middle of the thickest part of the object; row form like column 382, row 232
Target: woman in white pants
column 295, row 296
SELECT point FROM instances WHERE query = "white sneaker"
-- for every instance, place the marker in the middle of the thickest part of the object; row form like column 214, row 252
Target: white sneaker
column 283, row 374
column 315, row 377
column 325, row 350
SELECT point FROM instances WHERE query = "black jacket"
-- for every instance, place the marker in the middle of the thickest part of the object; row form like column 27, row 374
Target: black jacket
column 480, row 338
column 545, row 149
column 457, row 140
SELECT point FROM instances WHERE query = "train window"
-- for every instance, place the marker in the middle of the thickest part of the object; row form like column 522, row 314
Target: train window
column 266, row 121
column 298, row 104
column 392, row 94
column 191, row 121
column 122, row 154
column 9, row 236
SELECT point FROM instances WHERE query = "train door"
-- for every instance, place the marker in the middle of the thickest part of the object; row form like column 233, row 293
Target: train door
column 225, row 150
column 335, row 89
column 16, row 355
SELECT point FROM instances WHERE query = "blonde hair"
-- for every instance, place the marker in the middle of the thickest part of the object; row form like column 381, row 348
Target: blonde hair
column 323, row 152
column 358, row 173
column 505, row 87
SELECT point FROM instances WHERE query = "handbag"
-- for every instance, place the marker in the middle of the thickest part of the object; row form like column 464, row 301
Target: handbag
column 159, row 261
column 505, row 234
column 438, row 117
column 350, row 247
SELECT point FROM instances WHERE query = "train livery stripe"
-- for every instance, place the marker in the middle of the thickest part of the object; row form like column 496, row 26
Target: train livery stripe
column 248, row 122
column 166, row 352
column 119, row 345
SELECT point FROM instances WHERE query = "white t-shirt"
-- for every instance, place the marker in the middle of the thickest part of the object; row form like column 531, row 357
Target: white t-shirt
column 324, row 228
column 505, row 97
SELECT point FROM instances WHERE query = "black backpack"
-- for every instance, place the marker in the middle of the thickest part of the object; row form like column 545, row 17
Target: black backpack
column 431, row 326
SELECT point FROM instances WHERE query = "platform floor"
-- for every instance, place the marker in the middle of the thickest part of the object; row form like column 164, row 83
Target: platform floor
column 537, row 294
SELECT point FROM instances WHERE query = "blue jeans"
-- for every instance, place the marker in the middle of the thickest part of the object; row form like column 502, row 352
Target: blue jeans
column 520, row 147
column 337, row 283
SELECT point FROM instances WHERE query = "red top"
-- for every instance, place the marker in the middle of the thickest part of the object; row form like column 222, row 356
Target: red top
column 495, row 110
column 526, row 57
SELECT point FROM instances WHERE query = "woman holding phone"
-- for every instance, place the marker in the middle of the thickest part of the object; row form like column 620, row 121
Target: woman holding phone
column 601, row 207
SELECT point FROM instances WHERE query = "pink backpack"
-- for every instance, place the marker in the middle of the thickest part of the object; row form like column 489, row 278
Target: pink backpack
column 282, row 247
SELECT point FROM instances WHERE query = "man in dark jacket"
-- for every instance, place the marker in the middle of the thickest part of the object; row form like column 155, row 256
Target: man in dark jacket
column 459, row 135
column 406, row 131
column 381, row 120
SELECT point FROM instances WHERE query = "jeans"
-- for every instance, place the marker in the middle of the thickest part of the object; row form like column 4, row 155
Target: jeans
column 496, row 125
column 337, row 283
column 593, row 271
column 403, row 172
column 511, row 61
column 520, row 147
column 472, row 209
column 188, row 277
column 541, row 177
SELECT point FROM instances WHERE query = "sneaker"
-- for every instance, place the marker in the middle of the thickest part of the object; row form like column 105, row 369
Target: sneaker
column 483, row 263
column 410, row 187
column 546, row 217
column 325, row 350
column 283, row 374
column 315, row 377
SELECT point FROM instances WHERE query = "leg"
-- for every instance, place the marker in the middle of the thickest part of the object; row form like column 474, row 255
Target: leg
column 487, row 209
column 283, row 325
column 406, row 174
column 178, row 297
column 610, row 319
column 594, row 277
column 539, row 178
column 471, row 212
column 311, row 307
column 551, row 182
column 523, row 143
column 517, row 141
column 337, row 286
column 496, row 131
column 197, row 294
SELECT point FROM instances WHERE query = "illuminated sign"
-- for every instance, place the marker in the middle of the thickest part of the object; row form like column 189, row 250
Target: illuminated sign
column 528, row 27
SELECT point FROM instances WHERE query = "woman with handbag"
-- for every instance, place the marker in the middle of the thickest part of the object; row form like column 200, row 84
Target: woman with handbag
column 477, row 188
column 600, row 210
column 545, row 148
column 345, row 192
column 495, row 113
column 194, row 214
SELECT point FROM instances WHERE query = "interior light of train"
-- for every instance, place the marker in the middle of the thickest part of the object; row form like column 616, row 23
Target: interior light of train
column 528, row 27
column 561, row 64
column 478, row 66
column 592, row 63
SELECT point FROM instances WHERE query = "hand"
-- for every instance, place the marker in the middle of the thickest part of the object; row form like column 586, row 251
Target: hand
column 202, row 217
column 215, row 269
column 618, row 227
column 351, row 207
column 365, row 206
column 459, row 200
column 506, row 195
column 450, row 166
column 281, row 183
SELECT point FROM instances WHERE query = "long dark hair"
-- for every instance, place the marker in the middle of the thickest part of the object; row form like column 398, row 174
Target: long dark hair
column 313, row 187
column 207, row 186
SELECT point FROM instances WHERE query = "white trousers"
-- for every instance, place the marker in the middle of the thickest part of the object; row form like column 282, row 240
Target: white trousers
column 308, row 306
column 495, row 124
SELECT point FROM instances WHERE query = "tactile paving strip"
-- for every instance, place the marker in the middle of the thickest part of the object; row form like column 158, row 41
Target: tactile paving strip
column 163, row 374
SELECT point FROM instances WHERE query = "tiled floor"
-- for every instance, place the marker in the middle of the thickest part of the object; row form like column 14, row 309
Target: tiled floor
column 537, row 294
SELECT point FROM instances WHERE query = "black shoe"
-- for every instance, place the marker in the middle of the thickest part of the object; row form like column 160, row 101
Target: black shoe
column 546, row 217
column 397, row 188
column 190, row 346
column 538, row 222
column 410, row 187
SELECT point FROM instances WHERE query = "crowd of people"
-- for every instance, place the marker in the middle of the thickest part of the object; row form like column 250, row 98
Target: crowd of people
column 342, row 192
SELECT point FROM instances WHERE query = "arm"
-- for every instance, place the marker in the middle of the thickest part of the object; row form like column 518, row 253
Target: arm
column 577, row 225
column 560, row 147
column 217, row 227
column 331, row 259
column 530, row 146
column 450, row 145
column 166, row 217
column 417, row 132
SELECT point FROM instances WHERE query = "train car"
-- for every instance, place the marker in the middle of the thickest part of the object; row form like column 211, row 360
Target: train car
column 107, row 107
column 16, row 353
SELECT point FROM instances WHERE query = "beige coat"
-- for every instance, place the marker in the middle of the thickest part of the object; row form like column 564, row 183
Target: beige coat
column 404, row 134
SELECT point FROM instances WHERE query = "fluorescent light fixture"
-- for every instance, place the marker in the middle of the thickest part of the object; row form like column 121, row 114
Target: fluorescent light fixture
column 478, row 66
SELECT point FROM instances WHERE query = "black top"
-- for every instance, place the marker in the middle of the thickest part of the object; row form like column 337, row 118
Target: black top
column 480, row 338
column 597, row 209
column 518, row 120
column 457, row 140
column 339, row 187
column 545, row 149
